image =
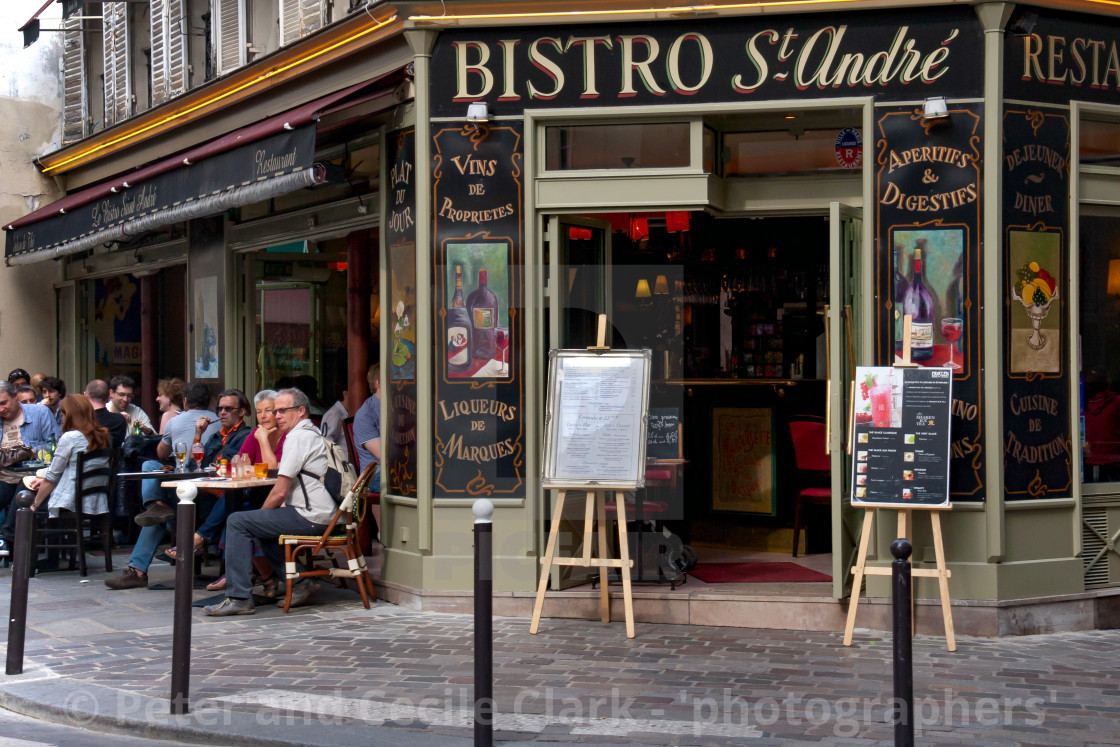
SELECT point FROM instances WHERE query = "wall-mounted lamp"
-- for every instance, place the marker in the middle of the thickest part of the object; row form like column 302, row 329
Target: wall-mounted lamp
column 642, row 291
column 478, row 112
column 1114, row 277
column 661, row 286
column 935, row 110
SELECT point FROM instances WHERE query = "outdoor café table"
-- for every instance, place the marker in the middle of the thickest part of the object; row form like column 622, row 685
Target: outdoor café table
column 158, row 475
column 224, row 483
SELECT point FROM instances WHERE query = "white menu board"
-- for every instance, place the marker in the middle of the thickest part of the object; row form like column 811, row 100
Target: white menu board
column 596, row 417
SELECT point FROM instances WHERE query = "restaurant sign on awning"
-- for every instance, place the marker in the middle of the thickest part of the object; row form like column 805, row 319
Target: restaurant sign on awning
column 206, row 185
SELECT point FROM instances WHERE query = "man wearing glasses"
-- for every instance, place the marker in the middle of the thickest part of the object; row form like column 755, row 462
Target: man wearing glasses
column 298, row 504
column 122, row 390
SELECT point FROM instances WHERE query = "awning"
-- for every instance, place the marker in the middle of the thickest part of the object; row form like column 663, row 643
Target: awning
column 30, row 30
column 259, row 161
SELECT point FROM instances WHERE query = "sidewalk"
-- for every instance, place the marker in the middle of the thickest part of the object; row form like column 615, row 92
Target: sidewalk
column 334, row 673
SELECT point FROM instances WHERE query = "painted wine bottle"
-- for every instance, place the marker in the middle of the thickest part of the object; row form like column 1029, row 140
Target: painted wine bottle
column 483, row 306
column 918, row 303
column 901, row 285
column 458, row 329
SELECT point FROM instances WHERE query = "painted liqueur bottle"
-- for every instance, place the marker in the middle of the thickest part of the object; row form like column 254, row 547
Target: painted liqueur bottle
column 918, row 303
column 483, row 305
column 901, row 285
column 458, row 329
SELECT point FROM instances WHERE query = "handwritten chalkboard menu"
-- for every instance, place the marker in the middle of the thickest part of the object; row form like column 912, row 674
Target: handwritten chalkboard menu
column 595, row 419
column 900, row 449
column 663, row 434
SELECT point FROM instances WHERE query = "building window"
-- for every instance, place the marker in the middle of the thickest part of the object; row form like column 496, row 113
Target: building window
column 780, row 152
column 1099, row 294
column 617, row 146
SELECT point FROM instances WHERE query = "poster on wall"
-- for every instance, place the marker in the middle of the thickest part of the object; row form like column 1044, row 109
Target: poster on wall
column 477, row 198
column 901, row 437
column 1035, row 341
column 929, row 264
column 478, row 314
column 205, row 323
column 399, row 435
column 1037, row 441
column 743, row 460
column 116, row 326
column 932, row 292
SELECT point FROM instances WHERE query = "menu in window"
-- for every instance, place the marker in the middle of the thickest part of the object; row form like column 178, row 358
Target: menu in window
column 900, row 449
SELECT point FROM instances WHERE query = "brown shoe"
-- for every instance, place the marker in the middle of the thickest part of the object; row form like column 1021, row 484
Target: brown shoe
column 129, row 579
column 157, row 513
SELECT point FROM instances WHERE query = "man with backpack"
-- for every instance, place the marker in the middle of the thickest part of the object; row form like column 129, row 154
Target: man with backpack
column 299, row 503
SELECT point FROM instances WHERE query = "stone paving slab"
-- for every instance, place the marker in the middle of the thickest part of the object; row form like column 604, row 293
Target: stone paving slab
column 327, row 673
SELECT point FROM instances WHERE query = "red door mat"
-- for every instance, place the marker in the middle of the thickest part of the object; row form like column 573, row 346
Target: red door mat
column 756, row 573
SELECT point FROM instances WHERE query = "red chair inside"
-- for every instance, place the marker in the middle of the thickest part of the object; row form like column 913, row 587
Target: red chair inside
column 809, row 440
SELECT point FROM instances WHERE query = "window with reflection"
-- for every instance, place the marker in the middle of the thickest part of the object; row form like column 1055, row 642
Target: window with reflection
column 617, row 146
column 1100, row 347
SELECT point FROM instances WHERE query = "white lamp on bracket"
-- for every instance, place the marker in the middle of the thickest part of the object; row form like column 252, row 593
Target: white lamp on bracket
column 478, row 112
column 935, row 109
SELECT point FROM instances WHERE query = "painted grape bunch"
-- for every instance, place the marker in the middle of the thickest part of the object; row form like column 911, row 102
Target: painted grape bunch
column 1035, row 285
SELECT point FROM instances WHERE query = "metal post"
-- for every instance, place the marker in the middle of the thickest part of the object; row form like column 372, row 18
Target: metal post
column 21, row 571
column 184, row 586
column 903, row 655
column 483, row 624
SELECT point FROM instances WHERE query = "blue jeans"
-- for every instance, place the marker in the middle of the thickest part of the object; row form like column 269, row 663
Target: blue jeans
column 264, row 525
column 146, row 545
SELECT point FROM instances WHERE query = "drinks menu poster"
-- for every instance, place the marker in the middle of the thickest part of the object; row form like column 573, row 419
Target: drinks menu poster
column 900, row 449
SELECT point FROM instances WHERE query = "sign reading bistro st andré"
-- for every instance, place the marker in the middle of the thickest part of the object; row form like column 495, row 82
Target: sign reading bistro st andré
column 892, row 55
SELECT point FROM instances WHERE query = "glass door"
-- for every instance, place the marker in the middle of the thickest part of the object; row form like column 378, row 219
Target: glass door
column 578, row 289
column 846, row 231
column 286, row 332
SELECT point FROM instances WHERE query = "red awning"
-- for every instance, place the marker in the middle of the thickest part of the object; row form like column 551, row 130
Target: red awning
column 288, row 120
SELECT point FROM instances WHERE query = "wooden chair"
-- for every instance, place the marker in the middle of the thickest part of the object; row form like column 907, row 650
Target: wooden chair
column 350, row 512
column 69, row 527
column 351, row 447
column 810, row 455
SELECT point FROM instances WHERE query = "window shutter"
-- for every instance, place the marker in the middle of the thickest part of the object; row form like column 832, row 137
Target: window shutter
column 118, row 77
column 169, row 63
column 300, row 17
column 230, row 40
column 74, row 97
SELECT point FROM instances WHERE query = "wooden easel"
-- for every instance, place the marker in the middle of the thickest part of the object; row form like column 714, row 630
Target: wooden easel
column 595, row 508
column 905, row 524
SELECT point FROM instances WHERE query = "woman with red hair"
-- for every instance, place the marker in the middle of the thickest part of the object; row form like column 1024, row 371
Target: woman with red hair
column 81, row 433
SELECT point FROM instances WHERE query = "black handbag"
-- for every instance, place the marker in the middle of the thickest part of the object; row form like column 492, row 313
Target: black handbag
column 15, row 455
column 138, row 447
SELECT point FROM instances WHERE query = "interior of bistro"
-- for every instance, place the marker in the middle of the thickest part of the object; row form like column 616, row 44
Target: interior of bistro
column 731, row 302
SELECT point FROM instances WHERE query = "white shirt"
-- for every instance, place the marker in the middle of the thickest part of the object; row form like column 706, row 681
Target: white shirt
column 63, row 472
column 304, row 450
column 134, row 415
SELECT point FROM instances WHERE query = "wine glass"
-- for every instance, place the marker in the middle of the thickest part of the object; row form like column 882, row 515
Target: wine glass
column 501, row 340
column 180, row 455
column 951, row 328
column 197, row 453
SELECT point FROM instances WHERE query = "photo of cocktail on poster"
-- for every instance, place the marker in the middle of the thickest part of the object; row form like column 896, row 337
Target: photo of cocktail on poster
column 879, row 398
column 476, row 317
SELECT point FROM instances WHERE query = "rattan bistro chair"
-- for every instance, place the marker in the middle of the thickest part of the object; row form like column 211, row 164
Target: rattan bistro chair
column 319, row 548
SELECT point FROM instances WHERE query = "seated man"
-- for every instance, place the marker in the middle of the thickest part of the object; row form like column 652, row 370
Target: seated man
column 122, row 390
column 298, row 504
column 367, row 426
column 53, row 390
column 195, row 422
column 27, row 395
column 97, row 392
column 20, row 425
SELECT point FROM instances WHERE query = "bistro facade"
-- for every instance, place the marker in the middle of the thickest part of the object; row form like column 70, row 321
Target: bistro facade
column 756, row 195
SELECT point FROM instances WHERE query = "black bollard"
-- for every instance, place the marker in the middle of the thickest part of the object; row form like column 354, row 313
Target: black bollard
column 903, row 649
column 21, row 571
column 483, row 624
column 184, row 586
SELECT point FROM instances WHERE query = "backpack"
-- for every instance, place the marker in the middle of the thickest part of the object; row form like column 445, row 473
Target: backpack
column 339, row 477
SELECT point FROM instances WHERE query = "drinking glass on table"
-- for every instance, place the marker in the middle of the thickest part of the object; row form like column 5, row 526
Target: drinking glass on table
column 951, row 328
column 197, row 452
column 180, row 455
column 261, row 470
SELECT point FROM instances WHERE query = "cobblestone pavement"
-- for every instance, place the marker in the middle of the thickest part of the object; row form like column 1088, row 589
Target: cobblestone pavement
column 336, row 665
